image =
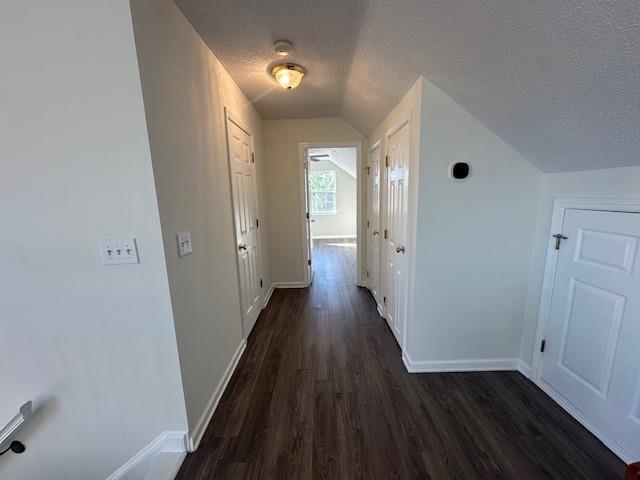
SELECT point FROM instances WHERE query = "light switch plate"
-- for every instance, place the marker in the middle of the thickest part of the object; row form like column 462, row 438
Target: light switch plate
column 119, row 251
column 184, row 243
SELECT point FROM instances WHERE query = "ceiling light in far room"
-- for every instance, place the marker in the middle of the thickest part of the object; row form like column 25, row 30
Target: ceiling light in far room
column 288, row 75
column 284, row 48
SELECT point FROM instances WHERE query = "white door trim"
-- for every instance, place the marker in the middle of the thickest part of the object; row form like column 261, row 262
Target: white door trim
column 360, row 213
column 230, row 117
column 560, row 205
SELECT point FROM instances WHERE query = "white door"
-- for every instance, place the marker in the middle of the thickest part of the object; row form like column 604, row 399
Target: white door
column 308, row 220
column 373, row 224
column 397, row 161
column 592, row 346
column 243, row 190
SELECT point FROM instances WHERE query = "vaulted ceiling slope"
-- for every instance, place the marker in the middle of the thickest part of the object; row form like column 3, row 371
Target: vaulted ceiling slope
column 559, row 81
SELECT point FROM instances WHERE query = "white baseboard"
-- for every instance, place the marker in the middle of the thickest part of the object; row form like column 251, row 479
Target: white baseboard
column 572, row 410
column 166, row 442
column 524, row 369
column 205, row 418
column 471, row 365
column 330, row 237
column 289, row 285
column 268, row 296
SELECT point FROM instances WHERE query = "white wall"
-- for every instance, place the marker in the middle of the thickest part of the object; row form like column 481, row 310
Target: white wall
column 186, row 90
column 617, row 182
column 283, row 185
column 474, row 239
column 93, row 345
column 470, row 256
column 343, row 222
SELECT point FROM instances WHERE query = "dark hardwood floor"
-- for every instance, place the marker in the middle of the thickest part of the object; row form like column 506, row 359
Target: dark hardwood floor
column 321, row 392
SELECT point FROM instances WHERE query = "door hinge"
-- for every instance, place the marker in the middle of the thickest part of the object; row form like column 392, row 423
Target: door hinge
column 309, row 261
column 386, row 234
column 384, row 300
column 307, row 215
column 253, row 158
column 367, row 272
column 368, row 224
column 368, row 170
column 260, row 283
column 559, row 237
column 257, row 223
column 543, row 344
column 386, row 161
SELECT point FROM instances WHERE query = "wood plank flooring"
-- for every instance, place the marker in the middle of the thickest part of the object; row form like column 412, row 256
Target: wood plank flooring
column 321, row 392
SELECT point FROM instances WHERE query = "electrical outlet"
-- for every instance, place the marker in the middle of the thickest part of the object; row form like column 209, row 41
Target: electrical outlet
column 185, row 246
column 119, row 251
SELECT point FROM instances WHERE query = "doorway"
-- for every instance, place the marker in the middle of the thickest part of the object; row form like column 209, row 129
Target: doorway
column 332, row 194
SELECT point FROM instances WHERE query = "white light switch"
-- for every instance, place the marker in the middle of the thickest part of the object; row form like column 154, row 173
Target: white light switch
column 184, row 243
column 118, row 251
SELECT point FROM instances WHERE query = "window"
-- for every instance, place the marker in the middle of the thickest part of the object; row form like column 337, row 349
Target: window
column 322, row 190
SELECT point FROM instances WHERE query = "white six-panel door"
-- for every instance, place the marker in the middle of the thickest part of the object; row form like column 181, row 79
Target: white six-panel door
column 373, row 225
column 243, row 189
column 397, row 161
column 592, row 344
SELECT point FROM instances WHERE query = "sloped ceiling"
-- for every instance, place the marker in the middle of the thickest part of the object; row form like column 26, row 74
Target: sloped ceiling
column 344, row 158
column 557, row 80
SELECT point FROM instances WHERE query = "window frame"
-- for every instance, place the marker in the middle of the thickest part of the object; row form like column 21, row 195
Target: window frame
column 333, row 173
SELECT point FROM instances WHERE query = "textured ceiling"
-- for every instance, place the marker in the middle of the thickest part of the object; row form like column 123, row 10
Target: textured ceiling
column 557, row 80
column 241, row 34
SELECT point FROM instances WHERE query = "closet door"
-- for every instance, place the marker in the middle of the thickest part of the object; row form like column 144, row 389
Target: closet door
column 244, row 196
column 395, row 235
column 373, row 224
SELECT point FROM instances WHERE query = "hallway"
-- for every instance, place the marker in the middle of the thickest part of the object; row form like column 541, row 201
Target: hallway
column 321, row 392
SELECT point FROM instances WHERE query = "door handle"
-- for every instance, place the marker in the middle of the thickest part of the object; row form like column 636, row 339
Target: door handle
column 376, row 232
column 400, row 249
column 242, row 246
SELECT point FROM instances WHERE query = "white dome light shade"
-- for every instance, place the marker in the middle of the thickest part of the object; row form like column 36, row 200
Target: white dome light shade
column 288, row 75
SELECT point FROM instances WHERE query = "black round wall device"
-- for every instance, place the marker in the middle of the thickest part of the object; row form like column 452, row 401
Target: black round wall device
column 459, row 171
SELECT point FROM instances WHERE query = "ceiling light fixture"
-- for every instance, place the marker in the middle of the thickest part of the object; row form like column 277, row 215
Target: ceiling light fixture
column 288, row 75
column 284, row 48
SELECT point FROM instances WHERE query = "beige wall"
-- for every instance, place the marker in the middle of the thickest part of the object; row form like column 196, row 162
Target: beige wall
column 343, row 222
column 283, row 185
column 92, row 345
column 186, row 90
column 616, row 182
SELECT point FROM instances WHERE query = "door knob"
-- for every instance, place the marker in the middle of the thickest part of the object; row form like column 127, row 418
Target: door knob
column 242, row 246
column 376, row 232
column 400, row 249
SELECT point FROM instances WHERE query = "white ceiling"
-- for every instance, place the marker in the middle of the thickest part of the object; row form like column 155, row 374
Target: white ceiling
column 559, row 81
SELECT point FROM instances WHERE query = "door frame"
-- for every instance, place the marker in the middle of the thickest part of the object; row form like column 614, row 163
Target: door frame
column 360, row 212
column 560, row 205
column 230, row 117
column 376, row 145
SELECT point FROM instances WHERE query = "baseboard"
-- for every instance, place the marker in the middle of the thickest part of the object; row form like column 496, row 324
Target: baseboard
column 572, row 410
column 289, row 285
column 471, row 365
column 268, row 296
column 166, row 442
column 524, row 369
column 331, row 237
column 205, row 418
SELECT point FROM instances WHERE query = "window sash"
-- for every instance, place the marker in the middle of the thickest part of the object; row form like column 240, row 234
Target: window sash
column 322, row 192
